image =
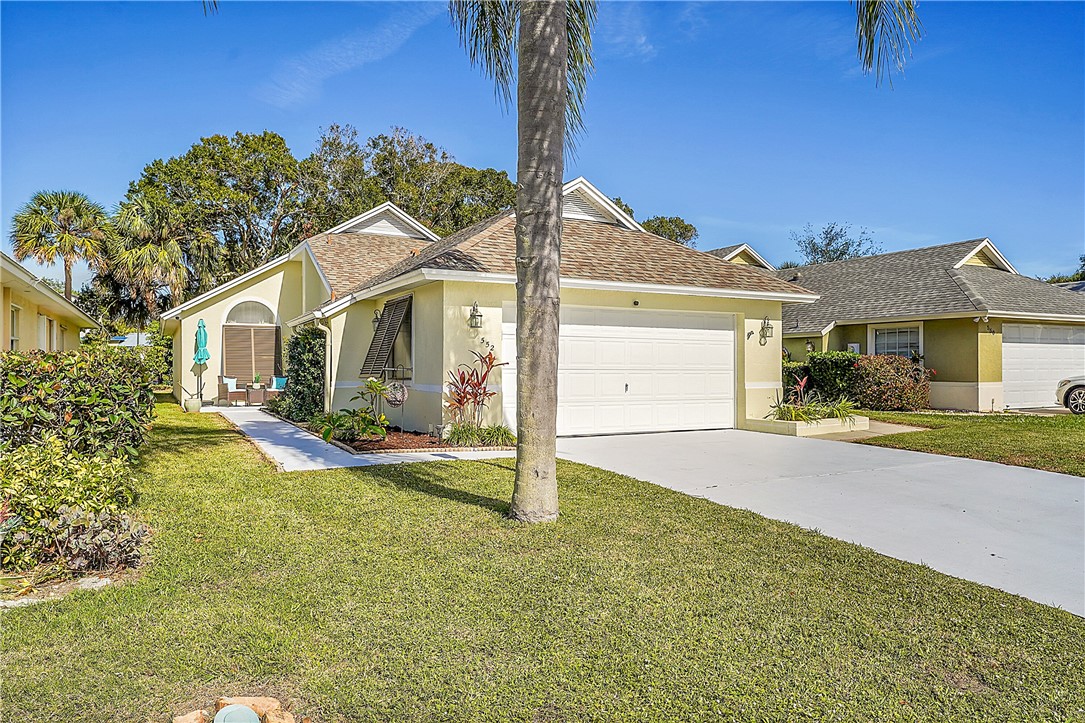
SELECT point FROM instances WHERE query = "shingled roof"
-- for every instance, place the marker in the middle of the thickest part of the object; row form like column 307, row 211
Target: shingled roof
column 917, row 283
column 346, row 258
column 591, row 251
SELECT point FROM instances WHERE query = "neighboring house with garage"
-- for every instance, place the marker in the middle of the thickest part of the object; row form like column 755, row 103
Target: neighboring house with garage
column 654, row 337
column 996, row 339
column 34, row 316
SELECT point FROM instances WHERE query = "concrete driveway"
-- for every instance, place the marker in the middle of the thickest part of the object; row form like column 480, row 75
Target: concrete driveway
column 1021, row 530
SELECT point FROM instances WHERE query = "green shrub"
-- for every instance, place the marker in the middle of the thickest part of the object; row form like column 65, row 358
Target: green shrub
column 794, row 371
column 304, row 393
column 38, row 481
column 890, row 383
column 833, row 373
column 462, row 434
column 497, row 435
column 95, row 400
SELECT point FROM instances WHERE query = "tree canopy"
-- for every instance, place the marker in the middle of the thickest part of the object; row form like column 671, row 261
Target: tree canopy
column 1078, row 275
column 675, row 228
column 834, row 242
column 232, row 203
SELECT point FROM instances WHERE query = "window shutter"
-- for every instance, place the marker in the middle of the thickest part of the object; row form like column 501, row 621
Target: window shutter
column 380, row 349
column 237, row 353
column 264, row 346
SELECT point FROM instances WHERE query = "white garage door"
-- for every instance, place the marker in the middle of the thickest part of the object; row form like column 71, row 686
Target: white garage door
column 1035, row 357
column 631, row 370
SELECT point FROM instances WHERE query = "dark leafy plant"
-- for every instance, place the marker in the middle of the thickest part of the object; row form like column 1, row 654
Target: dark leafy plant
column 304, row 393
column 83, row 541
column 96, row 401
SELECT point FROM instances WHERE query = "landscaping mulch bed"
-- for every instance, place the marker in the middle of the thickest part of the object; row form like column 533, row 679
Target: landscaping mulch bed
column 396, row 441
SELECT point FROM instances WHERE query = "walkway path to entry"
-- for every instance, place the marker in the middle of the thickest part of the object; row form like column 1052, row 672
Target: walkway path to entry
column 295, row 450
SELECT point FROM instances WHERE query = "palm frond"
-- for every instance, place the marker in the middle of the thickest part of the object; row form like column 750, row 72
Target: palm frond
column 488, row 32
column 886, row 30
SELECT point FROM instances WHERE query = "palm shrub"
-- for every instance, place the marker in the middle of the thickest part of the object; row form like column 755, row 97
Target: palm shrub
column 96, row 401
column 304, row 394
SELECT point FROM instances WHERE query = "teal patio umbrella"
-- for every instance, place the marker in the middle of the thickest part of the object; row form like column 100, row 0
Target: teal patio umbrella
column 202, row 354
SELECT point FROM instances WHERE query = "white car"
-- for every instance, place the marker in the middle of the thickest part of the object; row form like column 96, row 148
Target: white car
column 1071, row 394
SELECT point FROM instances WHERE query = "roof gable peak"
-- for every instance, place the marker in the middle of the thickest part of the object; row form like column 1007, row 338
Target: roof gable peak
column 386, row 219
column 985, row 254
column 582, row 200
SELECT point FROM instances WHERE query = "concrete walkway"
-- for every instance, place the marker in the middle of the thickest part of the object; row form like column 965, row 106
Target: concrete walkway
column 295, row 450
column 1017, row 529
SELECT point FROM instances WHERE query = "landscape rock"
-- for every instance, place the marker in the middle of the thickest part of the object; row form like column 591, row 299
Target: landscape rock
column 262, row 705
column 196, row 716
column 277, row 716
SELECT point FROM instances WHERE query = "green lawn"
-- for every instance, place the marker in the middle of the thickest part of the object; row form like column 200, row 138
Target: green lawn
column 1054, row 443
column 402, row 593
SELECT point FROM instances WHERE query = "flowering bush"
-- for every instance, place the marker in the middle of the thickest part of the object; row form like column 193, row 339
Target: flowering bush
column 891, row 383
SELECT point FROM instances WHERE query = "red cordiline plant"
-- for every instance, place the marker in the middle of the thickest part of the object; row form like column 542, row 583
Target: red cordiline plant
column 467, row 390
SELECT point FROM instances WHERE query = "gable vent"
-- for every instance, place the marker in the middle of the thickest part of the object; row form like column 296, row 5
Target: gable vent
column 576, row 205
column 385, row 224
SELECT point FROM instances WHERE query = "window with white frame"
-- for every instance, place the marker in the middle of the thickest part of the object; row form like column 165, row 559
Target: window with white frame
column 13, row 330
column 901, row 340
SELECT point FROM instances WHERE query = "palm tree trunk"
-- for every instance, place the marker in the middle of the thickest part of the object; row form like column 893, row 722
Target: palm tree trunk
column 68, row 278
column 541, row 99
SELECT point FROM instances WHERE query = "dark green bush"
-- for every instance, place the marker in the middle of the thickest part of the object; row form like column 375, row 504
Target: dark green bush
column 890, row 383
column 304, row 393
column 794, row 372
column 38, row 481
column 94, row 400
column 833, row 373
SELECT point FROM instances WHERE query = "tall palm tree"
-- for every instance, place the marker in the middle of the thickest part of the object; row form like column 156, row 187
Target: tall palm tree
column 147, row 256
column 60, row 223
column 545, row 48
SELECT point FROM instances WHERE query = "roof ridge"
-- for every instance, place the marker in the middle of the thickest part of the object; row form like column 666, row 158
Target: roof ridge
column 970, row 291
column 888, row 253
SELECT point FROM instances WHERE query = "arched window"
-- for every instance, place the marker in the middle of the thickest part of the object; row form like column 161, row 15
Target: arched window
column 250, row 312
column 251, row 343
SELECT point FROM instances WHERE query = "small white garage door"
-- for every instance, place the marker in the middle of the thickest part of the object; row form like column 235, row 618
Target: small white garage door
column 631, row 370
column 1035, row 357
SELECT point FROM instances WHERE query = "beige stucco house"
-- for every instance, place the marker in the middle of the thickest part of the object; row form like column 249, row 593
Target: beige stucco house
column 654, row 336
column 33, row 316
column 996, row 339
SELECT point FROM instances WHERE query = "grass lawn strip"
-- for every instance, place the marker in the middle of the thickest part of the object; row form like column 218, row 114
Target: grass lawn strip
column 401, row 592
column 1055, row 443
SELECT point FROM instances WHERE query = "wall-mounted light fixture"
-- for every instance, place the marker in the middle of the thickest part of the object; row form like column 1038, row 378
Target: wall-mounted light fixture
column 474, row 321
column 809, row 346
column 376, row 319
column 766, row 331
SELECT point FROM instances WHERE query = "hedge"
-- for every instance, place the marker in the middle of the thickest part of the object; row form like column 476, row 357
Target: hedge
column 833, row 373
column 96, row 401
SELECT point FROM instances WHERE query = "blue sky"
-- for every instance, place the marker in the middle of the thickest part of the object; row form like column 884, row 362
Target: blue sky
column 747, row 119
